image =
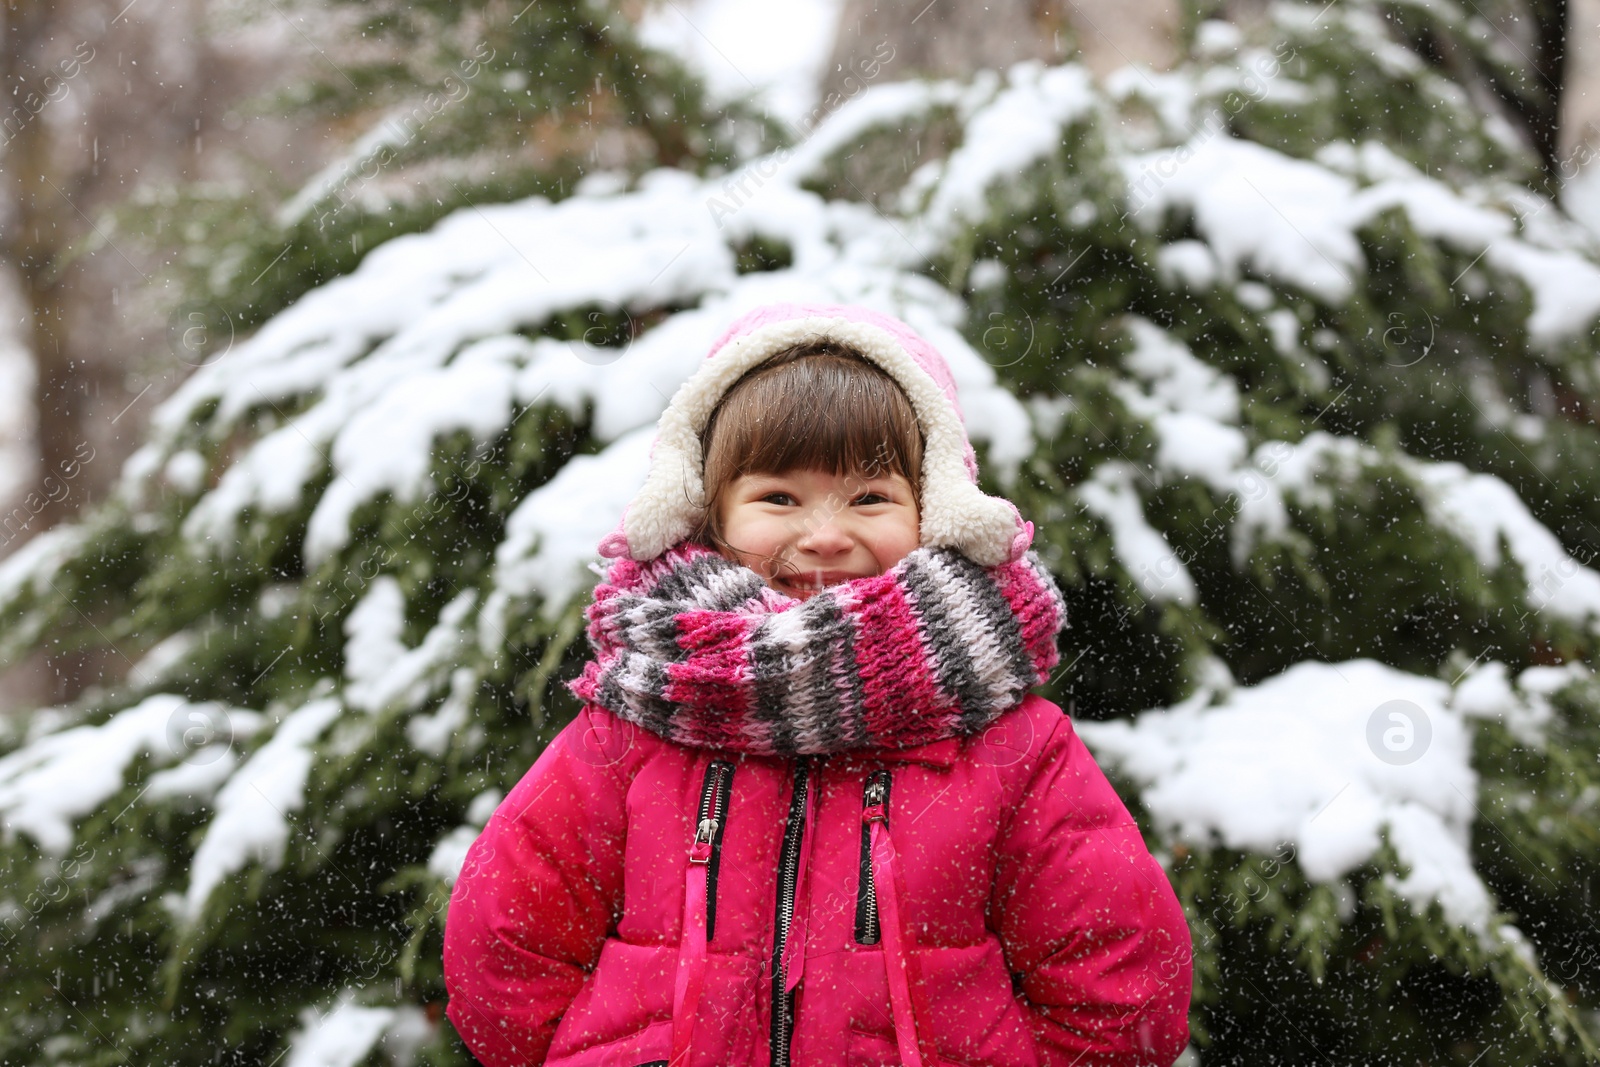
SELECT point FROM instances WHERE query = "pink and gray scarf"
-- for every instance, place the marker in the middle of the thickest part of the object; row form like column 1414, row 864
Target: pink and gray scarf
column 698, row 649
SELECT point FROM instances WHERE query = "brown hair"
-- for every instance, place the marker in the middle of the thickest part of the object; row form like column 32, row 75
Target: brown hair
column 819, row 405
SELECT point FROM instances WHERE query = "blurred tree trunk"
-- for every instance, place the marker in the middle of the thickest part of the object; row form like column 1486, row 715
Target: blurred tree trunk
column 1119, row 33
column 100, row 99
column 36, row 228
column 941, row 38
column 953, row 38
column 36, row 231
column 1578, row 143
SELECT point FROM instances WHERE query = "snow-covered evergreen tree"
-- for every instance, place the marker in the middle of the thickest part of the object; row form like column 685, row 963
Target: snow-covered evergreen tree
column 1284, row 351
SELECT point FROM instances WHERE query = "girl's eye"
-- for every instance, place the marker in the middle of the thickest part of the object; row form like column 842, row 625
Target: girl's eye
column 872, row 498
column 783, row 499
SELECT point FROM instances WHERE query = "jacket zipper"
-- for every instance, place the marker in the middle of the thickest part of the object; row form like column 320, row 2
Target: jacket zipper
column 789, row 860
column 876, row 792
column 712, row 820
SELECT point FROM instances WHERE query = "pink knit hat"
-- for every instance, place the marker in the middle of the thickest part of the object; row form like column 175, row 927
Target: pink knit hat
column 955, row 513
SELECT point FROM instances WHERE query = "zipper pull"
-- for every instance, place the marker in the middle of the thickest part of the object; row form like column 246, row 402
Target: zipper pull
column 877, row 794
column 700, row 851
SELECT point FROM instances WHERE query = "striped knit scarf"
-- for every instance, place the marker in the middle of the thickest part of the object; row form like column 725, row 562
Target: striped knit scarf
column 699, row 650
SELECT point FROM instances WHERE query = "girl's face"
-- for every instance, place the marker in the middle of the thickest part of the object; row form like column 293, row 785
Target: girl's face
column 824, row 528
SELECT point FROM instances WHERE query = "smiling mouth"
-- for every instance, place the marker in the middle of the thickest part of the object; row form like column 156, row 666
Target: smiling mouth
column 814, row 582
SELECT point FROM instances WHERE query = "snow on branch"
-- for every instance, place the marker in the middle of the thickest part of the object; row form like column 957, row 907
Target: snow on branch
column 48, row 785
column 1329, row 757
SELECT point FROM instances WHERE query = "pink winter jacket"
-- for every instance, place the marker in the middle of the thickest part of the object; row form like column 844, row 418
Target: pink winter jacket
column 972, row 901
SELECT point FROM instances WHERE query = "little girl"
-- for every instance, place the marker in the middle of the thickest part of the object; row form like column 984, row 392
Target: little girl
column 809, row 813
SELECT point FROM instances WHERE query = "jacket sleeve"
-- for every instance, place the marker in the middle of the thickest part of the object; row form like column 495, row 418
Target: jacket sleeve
column 1094, row 936
column 537, row 894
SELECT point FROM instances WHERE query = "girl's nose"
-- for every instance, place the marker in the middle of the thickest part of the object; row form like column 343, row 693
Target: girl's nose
column 822, row 535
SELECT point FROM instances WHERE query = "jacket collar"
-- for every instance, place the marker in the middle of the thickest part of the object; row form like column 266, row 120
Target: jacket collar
column 942, row 754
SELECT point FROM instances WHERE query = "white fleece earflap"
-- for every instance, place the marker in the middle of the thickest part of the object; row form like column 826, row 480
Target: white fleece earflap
column 955, row 513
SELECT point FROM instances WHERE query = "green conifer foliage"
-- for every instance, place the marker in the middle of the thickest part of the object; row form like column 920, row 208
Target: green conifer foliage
column 1284, row 352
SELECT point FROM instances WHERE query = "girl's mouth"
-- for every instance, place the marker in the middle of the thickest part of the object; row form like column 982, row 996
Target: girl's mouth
column 804, row 585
